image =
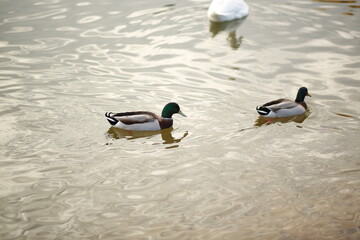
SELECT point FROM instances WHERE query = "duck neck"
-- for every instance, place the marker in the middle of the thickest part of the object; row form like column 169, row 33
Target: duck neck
column 300, row 97
column 166, row 113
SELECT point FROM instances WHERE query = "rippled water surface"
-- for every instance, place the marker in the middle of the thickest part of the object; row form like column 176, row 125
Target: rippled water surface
column 220, row 173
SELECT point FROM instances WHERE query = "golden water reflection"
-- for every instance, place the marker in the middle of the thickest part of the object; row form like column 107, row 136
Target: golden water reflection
column 267, row 121
column 166, row 135
column 230, row 28
column 334, row 1
column 349, row 12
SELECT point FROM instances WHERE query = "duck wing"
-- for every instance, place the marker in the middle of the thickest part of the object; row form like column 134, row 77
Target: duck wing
column 280, row 104
column 129, row 118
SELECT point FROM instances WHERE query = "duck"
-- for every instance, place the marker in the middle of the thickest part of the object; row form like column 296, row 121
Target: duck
column 144, row 120
column 282, row 107
column 227, row 10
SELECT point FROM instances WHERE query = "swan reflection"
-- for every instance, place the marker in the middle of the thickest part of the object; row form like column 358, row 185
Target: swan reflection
column 230, row 28
column 166, row 135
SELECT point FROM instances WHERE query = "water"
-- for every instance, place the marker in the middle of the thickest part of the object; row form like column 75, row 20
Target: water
column 218, row 174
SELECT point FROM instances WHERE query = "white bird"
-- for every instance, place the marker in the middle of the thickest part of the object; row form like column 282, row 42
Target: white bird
column 227, row 10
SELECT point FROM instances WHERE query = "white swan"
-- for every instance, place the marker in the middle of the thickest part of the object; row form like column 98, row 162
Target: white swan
column 227, row 10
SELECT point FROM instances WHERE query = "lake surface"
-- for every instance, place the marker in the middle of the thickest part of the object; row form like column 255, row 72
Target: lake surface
column 220, row 173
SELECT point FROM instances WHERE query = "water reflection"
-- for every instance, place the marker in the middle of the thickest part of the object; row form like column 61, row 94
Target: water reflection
column 335, row 1
column 266, row 121
column 348, row 12
column 166, row 134
column 230, row 28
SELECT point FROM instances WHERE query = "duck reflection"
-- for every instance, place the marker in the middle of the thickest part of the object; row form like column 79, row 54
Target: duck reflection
column 266, row 121
column 229, row 27
column 166, row 134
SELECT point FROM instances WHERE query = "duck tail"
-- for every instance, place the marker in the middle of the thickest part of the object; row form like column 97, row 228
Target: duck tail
column 262, row 110
column 113, row 121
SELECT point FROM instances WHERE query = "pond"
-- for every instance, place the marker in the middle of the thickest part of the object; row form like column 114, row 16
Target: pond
column 219, row 173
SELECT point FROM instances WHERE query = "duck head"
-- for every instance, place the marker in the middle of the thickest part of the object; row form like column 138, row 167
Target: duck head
column 170, row 109
column 302, row 93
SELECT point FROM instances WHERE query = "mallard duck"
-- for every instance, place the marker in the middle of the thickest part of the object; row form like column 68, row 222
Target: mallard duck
column 143, row 120
column 227, row 10
column 285, row 107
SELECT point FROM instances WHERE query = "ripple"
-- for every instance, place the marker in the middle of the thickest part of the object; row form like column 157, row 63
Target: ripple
column 83, row 4
column 347, row 81
column 89, row 19
column 46, row 44
column 49, row 185
column 115, row 33
column 47, row 2
column 20, row 30
column 35, row 16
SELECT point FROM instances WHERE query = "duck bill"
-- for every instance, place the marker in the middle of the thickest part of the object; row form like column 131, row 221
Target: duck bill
column 182, row 114
column 308, row 95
